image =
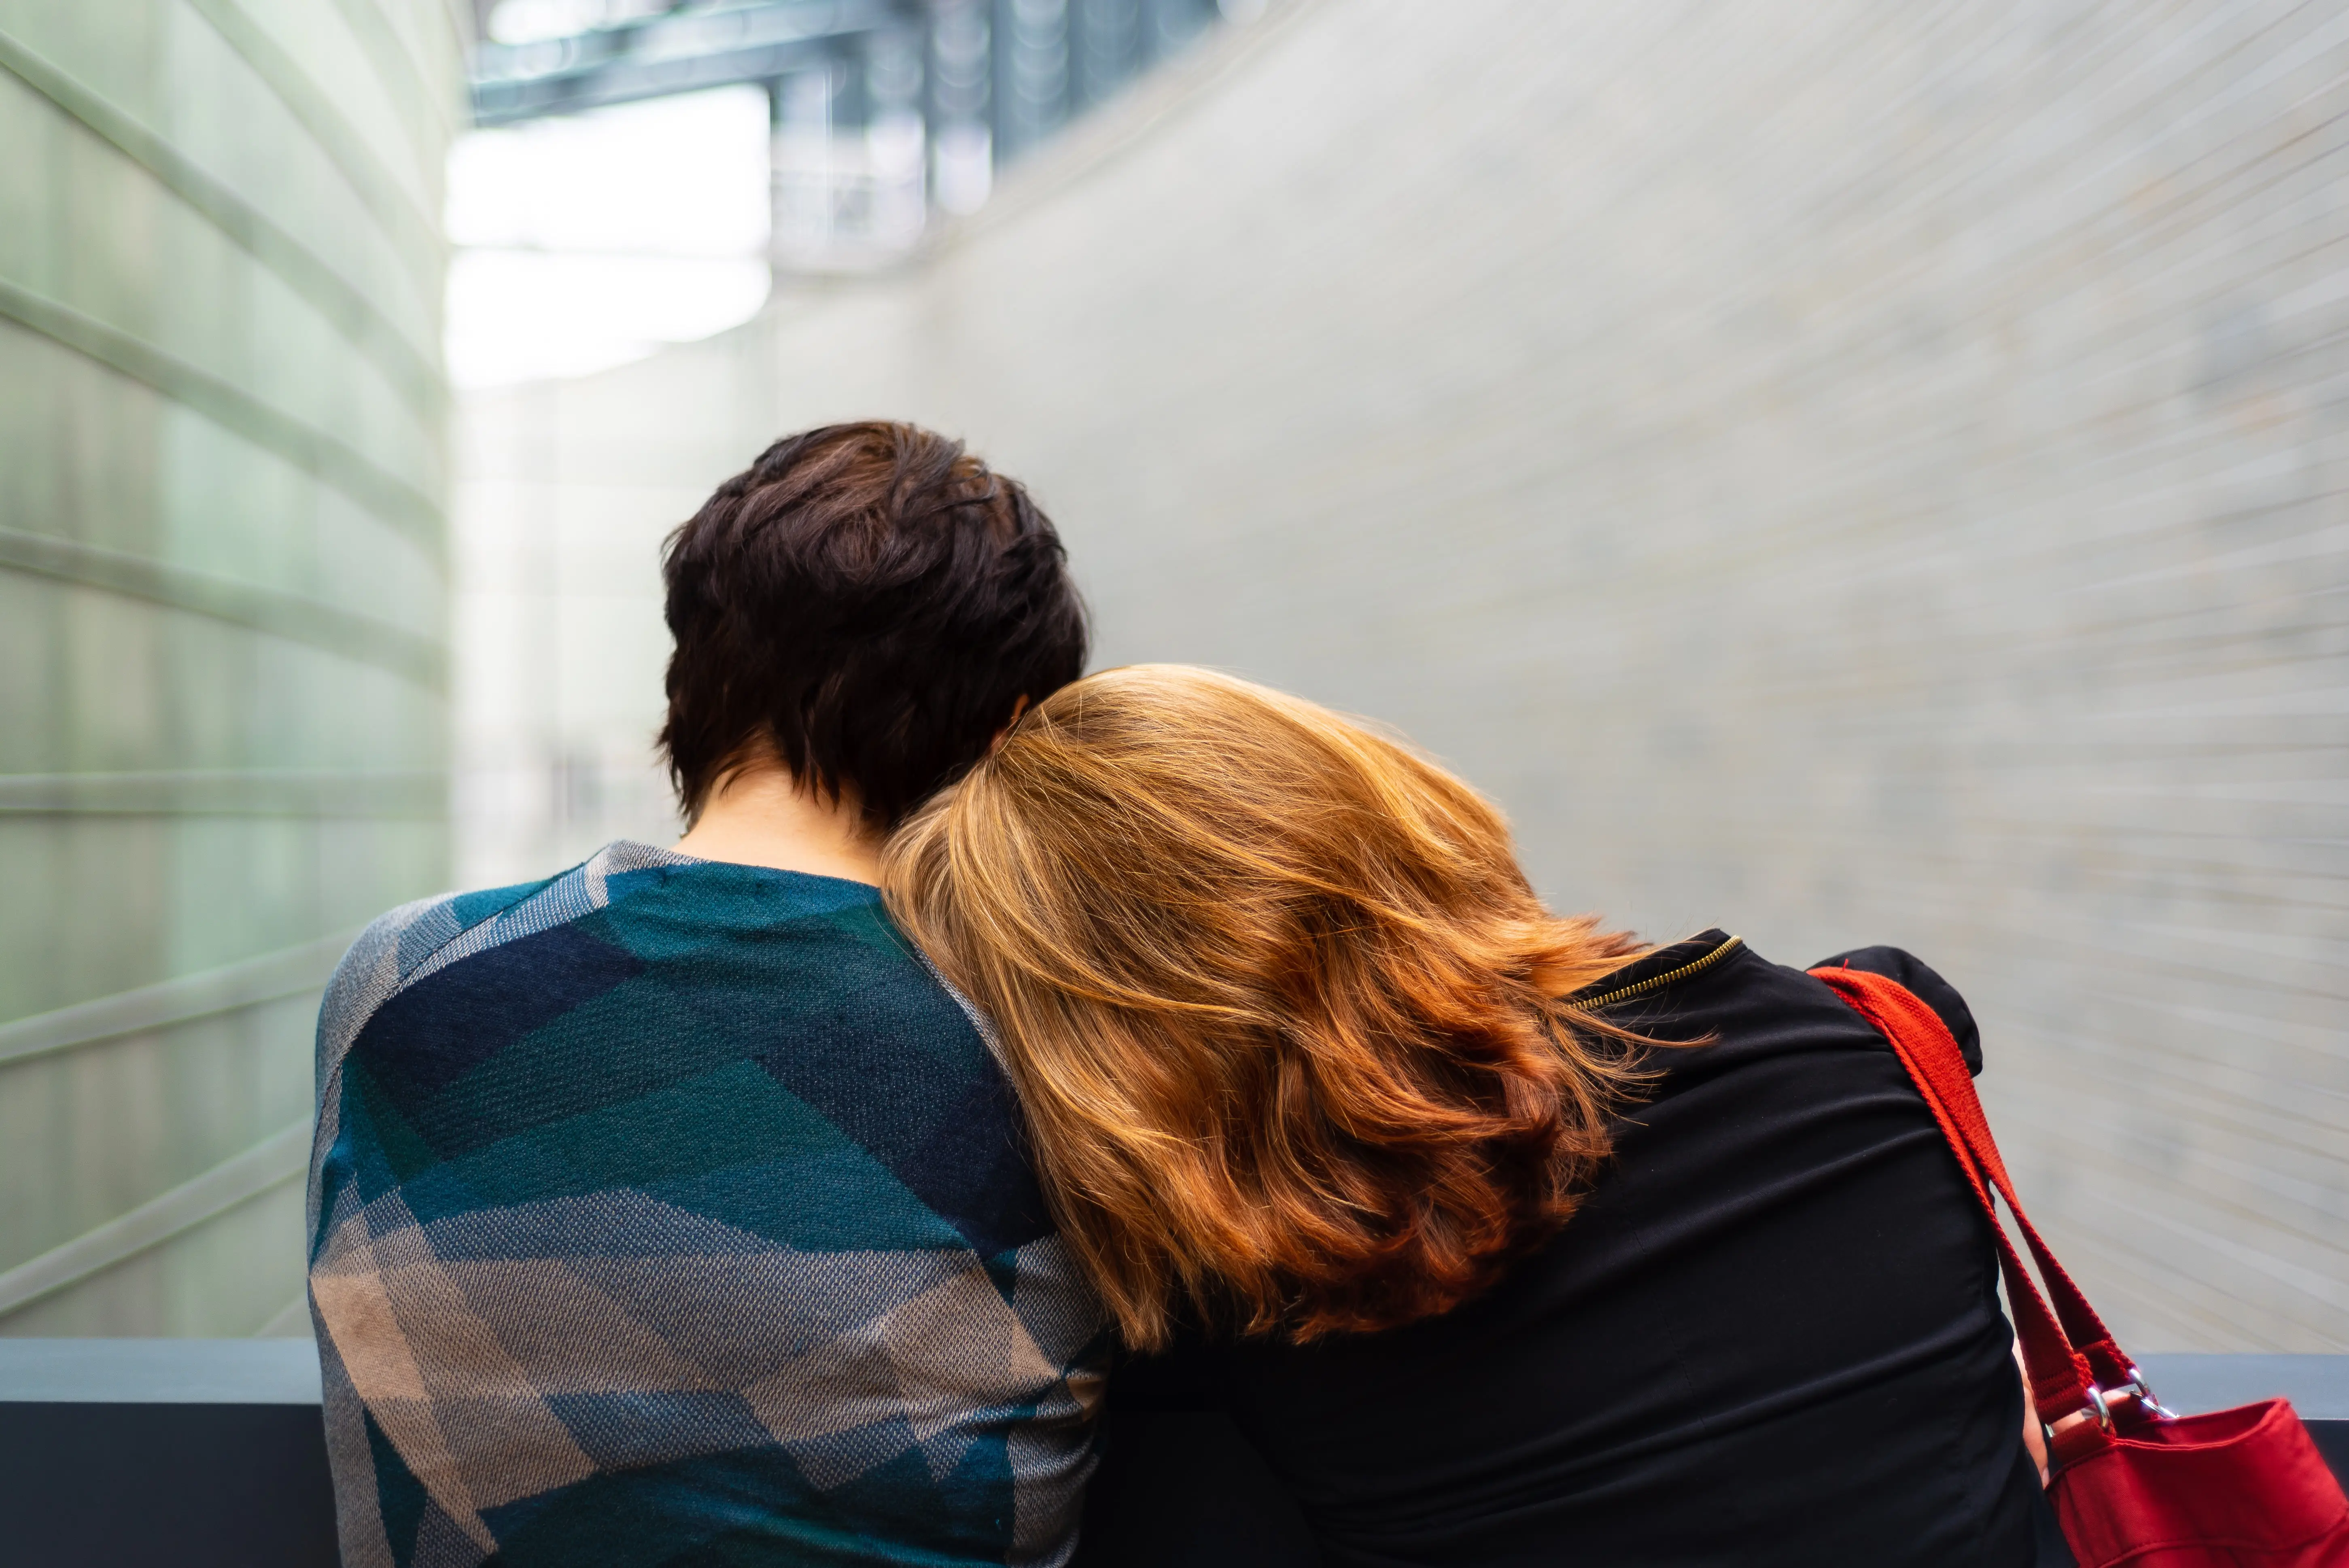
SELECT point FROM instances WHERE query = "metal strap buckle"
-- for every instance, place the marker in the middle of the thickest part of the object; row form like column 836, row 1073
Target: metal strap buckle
column 2137, row 1387
column 2098, row 1409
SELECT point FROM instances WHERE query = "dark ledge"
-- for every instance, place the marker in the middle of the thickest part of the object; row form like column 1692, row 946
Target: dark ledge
column 204, row 1452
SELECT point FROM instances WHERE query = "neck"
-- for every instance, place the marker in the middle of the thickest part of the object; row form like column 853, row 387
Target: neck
column 764, row 816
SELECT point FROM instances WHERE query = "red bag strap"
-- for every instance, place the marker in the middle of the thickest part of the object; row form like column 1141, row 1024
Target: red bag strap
column 2062, row 1376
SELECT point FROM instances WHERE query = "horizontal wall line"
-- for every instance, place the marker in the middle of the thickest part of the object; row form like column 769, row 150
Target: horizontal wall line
column 281, row 1158
column 408, row 225
column 380, row 39
column 228, row 792
column 271, row 977
column 302, row 270
column 412, row 372
column 288, row 616
column 315, row 452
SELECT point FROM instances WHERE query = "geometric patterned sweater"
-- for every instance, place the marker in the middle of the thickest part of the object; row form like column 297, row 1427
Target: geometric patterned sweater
column 672, row 1213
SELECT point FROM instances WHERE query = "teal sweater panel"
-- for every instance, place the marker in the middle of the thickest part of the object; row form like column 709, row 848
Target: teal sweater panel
column 674, row 1212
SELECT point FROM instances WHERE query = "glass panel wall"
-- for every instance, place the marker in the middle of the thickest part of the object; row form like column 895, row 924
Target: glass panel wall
column 223, row 658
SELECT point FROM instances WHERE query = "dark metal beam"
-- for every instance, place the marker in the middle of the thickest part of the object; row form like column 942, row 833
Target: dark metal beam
column 682, row 51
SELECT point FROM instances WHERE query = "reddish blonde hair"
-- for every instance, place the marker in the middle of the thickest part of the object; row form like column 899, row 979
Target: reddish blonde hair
column 1280, row 1004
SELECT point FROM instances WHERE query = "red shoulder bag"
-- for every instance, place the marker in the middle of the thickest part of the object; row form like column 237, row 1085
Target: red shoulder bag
column 2132, row 1484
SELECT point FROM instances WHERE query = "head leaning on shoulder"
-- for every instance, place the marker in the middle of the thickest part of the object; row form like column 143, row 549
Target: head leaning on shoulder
column 861, row 611
column 1279, row 1003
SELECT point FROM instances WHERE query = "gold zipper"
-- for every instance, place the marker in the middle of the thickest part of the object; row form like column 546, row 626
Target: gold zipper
column 1588, row 1003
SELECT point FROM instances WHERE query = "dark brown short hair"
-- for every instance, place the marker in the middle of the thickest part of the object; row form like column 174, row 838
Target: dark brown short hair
column 868, row 604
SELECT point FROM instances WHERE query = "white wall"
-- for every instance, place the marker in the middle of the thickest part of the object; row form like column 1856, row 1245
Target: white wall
column 1839, row 472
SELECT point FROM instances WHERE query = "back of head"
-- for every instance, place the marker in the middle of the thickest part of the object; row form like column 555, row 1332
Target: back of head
column 1280, row 1004
column 868, row 604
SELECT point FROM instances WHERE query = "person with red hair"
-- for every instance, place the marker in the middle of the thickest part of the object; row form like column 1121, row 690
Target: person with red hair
column 1504, row 1238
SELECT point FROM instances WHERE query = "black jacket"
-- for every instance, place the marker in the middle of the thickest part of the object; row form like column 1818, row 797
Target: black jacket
column 1771, row 1336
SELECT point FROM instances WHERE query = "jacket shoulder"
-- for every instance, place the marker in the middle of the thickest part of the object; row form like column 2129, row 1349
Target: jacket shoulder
column 1923, row 980
column 401, row 946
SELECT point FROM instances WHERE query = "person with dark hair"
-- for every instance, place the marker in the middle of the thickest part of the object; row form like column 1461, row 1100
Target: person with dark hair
column 671, row 1210
column 863, row 610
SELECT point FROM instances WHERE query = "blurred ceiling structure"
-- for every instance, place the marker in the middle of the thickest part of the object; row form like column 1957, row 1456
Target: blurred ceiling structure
column 884, row 111
column 683, row 49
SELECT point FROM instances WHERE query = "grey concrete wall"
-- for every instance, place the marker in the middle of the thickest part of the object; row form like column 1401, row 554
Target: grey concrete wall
column 222, row 657
column 1845, row 472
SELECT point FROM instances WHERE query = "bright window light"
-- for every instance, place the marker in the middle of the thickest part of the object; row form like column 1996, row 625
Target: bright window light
column 591, row 239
